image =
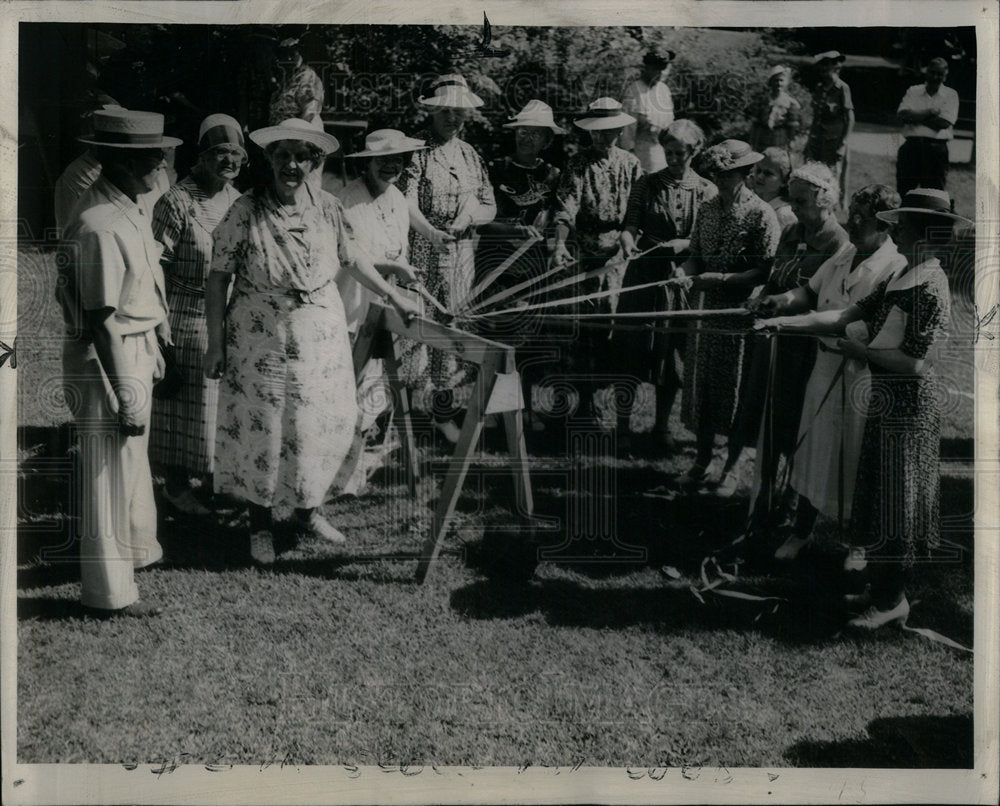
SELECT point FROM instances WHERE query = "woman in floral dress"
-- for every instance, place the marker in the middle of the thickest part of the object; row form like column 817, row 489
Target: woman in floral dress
column 732, row 249
column 662, row 210
column 895, row 523
column 449, row 184
column 182, row 430
column 591, row 202
column 288, row 417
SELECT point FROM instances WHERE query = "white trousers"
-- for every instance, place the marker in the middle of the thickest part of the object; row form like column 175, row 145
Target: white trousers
column 117, row 513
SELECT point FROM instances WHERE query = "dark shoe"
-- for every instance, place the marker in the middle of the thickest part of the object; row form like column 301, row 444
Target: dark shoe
column 139, row 609
column 186, row 502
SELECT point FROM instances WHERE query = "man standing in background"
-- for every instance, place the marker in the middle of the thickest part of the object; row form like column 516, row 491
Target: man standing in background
column 648, row 100
column 928, row 113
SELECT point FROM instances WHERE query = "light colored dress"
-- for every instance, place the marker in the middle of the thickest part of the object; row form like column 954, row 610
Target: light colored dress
column 381, row 227
column 289, row 424
column 832, row 428
column 182, row 432
column 656, row 103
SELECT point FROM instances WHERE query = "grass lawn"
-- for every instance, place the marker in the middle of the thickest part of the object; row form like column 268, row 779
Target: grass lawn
column 336, row 656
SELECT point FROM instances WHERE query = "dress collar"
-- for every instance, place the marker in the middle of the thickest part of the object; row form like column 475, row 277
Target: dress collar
column 915, row 276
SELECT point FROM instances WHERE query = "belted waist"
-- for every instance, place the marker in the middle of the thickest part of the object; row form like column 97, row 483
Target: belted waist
column 298, row 296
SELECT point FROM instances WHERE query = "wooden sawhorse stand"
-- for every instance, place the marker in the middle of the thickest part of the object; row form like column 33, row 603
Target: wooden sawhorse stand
column 495, row 362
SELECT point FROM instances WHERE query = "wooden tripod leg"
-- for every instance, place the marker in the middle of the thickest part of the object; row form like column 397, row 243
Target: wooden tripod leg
column 401, row 413
column 513, row 423
column 459, row 465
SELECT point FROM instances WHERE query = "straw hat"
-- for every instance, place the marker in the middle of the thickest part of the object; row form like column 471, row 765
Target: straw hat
column 778, row 70
column 535, row 113
column 729, row 155
column 453, row 91
column 925, row 201
column 217, row 130
column 384, row 142
column 127, row 128
column 297, row 129
column 829, row 56
column 604, row 113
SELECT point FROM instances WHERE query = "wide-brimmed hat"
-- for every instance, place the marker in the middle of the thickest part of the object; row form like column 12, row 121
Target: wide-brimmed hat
column 925, row 201
column 730, row 155
column 451, row 91
column 383, row 142
column 778, row 70
column 127, row 128
column 658, row 59
column 218, row 130
column 829, row 56
column 535, row 113
column 604, row 113
column 297, row 129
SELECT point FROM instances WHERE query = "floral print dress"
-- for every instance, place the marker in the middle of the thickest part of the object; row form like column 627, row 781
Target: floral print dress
column 897, row 518
column 592, row 199
column 288, row 415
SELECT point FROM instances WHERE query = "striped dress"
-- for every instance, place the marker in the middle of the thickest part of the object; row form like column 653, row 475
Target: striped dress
column 182, row 433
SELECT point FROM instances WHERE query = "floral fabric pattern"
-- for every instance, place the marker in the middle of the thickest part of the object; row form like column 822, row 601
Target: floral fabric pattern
column 288, row 414
column 898, row 516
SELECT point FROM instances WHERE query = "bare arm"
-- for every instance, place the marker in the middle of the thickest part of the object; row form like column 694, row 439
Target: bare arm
column 216, row 291
column 831, row 323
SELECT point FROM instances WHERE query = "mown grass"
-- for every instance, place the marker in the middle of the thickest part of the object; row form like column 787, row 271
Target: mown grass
column 337, row 656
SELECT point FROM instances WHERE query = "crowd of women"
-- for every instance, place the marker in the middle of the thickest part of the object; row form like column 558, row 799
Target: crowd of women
column 266, row 289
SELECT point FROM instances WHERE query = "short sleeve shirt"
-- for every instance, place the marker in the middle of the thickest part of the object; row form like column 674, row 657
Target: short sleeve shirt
column 917, row 99
column 114, row 262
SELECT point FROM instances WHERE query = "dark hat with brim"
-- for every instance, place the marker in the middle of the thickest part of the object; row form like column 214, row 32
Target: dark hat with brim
column 924, row 201
column 128, row 128
column 658, row 59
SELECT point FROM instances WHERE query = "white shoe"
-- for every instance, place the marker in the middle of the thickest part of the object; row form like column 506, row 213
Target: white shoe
column 186, row 503
column 728, row 485
column 873, row 618
column 320, row 527
column 855, row 560
column 790, row 549
column 262, row 547
column 449, row 431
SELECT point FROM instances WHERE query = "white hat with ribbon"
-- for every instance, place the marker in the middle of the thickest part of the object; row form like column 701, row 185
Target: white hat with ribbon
column 453, row 91
column 128, row 128
column 535, row 113
column 604, row 113
column 384, row 142
column 307, row 131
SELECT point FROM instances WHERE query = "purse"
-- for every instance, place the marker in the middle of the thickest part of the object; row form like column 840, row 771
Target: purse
column 170, row 385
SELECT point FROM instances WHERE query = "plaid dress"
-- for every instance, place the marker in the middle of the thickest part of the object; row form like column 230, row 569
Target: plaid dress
column 443, row 179
column 182, row 433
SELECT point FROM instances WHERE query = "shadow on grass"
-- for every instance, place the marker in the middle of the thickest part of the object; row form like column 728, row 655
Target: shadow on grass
column 896, row 742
